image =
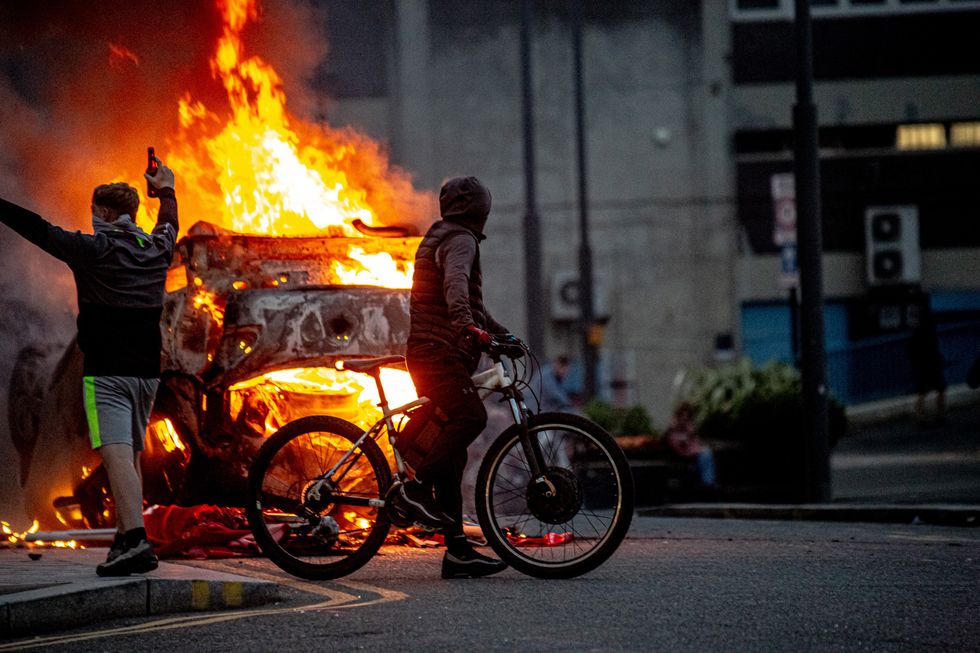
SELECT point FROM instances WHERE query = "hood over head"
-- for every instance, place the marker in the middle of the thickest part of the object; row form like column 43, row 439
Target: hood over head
column 465, row 200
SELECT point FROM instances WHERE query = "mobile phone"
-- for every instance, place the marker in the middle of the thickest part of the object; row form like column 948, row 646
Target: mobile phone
column 151, row 169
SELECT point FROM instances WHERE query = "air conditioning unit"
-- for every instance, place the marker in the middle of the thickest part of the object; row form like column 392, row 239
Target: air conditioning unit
column 564, row 297
column 891, row 238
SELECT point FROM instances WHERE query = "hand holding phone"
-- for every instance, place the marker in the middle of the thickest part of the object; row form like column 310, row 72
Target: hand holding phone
column 157, row 175
column 152, row 166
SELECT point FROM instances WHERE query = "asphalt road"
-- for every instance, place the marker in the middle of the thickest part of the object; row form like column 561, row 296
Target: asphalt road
column 675, row 584
column 902, row 461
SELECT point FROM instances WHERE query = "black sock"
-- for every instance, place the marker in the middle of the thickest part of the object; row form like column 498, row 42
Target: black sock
column 134, row 536
column 458, row 545
column 119, row 540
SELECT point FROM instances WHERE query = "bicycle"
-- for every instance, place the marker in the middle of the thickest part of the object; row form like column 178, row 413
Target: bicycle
column 554, row 493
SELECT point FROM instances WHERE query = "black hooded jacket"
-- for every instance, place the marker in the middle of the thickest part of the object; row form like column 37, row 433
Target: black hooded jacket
column 447, row 288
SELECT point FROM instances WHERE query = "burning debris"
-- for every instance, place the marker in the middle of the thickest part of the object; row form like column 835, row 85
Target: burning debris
column 31, row 538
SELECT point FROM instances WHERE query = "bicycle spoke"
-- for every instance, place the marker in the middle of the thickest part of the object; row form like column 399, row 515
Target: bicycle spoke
column 577, row 464
column 343, row 531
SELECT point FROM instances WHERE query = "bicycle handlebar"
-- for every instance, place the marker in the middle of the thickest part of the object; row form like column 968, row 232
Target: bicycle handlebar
column 509, row 346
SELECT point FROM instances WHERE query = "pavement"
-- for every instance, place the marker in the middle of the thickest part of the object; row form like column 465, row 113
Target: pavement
column 59, row 589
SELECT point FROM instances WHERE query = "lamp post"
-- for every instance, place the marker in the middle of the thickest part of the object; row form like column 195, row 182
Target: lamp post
column 533, row 294
column 810, row 242
column 585, row 295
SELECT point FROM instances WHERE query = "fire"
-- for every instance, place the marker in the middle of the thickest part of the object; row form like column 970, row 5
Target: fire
column 379, row 269
column 276, row 395
column 207, row 301
column 20, row 539
column 166, row 434
column 257, row 169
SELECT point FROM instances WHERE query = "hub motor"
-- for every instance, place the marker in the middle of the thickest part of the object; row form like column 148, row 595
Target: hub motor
column 562, row 504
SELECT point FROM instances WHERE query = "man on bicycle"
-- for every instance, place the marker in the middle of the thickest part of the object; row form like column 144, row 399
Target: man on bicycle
column 449, row 328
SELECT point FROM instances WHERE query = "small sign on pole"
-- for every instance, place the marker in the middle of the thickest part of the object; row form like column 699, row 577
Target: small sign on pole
column 784, row 204
column 789, row 272
column 783, row 188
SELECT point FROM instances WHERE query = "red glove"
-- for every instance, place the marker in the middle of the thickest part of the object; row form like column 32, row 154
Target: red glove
column 480, row 337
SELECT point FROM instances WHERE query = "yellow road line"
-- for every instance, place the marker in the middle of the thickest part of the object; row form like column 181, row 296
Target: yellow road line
column 337, row 600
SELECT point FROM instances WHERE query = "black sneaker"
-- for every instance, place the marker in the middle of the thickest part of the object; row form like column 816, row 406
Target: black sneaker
column 417, row 500
column 118, row 546
column 470, row 564
column 138, row 559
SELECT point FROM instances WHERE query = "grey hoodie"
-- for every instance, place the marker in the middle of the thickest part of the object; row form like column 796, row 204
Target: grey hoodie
column 119, row 272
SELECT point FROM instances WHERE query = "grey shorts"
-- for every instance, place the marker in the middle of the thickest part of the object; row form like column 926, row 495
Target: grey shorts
column 118, row 409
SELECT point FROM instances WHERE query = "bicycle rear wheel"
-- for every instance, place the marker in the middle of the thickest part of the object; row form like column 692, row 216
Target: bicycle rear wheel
column 569, row 525
column 311, row 525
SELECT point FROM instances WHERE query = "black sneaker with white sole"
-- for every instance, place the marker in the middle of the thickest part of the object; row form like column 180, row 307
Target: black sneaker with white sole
column 137, row 559
column 469, row 564
column 417, row 500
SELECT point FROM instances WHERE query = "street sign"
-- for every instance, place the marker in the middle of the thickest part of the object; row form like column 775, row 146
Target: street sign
column 789, row 272
column 783, row 188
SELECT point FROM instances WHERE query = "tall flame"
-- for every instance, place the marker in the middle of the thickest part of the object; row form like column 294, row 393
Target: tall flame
column 258, row 170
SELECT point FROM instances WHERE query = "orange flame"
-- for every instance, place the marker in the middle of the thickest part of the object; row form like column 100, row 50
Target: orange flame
column 119, row 55
column 269, row 390
column 13, row 538
column 257, row 170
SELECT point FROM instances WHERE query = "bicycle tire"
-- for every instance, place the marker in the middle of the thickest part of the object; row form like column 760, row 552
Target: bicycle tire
column 498, row 498
column 295, row 454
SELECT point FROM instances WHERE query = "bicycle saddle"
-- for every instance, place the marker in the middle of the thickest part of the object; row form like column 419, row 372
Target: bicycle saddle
column 370, row 365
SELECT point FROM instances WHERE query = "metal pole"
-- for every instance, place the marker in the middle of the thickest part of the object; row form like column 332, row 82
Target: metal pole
column 794, row 325
column 533, row 293
column 586, row 319
column 807, row 169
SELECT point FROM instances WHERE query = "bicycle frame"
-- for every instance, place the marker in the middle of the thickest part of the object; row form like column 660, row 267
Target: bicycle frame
column 493, row 380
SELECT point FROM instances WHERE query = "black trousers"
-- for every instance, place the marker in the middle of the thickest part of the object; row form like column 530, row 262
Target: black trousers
column 445, row 380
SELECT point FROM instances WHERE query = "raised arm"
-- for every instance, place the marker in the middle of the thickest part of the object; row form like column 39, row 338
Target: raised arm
column 72, row 247
column 163, row 181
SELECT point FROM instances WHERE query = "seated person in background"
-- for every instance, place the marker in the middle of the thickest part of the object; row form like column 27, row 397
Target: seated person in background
column 553, row 394
column 682, row 440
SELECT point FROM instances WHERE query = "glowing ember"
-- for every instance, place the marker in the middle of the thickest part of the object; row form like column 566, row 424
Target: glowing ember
column 13, row 538
column 207, row 301
column 167, row 435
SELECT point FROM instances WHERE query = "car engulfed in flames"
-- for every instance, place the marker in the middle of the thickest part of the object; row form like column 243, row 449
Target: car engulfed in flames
column 309, row 262
column 253, row 328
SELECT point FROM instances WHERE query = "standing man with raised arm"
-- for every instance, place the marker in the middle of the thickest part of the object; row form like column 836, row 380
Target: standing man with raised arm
column 119, row 272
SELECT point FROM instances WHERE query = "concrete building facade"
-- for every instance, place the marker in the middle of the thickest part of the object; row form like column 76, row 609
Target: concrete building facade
column 672, row 120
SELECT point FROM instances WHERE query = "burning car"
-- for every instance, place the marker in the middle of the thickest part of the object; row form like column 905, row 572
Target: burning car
column 253, row 327
column 309, row 261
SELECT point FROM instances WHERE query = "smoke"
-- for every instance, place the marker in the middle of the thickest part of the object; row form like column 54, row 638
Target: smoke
column 84, row 89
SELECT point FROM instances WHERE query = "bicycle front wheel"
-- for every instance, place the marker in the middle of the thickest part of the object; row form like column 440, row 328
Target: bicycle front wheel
column 571, row 521
column 310, row 522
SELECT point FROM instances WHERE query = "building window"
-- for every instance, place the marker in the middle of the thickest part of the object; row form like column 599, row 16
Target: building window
column 964, row 134
column 928, row 136
column 765, row 10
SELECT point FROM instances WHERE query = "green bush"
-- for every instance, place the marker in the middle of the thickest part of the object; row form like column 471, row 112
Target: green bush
column 746, row 403
column 634, row 420
column 760, row 411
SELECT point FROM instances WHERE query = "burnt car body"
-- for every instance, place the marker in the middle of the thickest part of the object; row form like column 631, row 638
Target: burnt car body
column 237, row 307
